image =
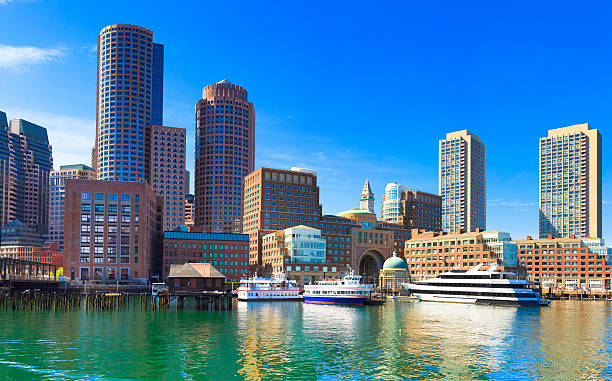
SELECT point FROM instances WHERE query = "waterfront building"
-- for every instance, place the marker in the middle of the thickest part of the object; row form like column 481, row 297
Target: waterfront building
column 112, row 231
column 431, row 253
column 195, row 277
column 566, row 263
column 129, row 101
column 48, row 253
column 570, row 182
column 371, row 242
column 462, row 182
column 57, row 194
column 228, row 252
column 411, row 208
column 395, row 271
column 366, row 201
column 299, row 252
column 168, row 173
column 224, row 155
column 336, row 231
column 275, row 199
column 16, row 233
column 25, row 165
column 189, row 210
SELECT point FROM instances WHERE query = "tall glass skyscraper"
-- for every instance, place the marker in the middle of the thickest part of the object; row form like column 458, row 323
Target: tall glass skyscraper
column 462, row 182
column 129, row 101
column 570, row 182
column 25, row 165
column 224, row 154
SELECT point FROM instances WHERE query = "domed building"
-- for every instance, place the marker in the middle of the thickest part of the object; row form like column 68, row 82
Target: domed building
column 395, row 271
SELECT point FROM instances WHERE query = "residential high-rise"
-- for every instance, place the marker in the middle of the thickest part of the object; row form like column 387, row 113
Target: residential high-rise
column 112, row 231
column 275, row 199
column 224, row 155
column 168, row 172
column 366, row 201
column 25, row 165
column 570, row 182
column 411, row 208
column 56, row 198
column 391, row 209
column 462, row 182
column 129, row 101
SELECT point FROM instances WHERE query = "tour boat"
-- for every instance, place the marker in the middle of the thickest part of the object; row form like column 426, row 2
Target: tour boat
column 476, row 286
column 261, row 289
column 347, row 290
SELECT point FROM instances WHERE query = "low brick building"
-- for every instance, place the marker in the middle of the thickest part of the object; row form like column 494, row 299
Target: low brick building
column 112, row 231
column 227, row 252
column 48, row 253
column 567, row 263
column 195, row 277
column 431, row 253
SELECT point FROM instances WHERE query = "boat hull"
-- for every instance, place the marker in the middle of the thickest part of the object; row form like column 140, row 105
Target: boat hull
column 440, row 298
column 358, row 300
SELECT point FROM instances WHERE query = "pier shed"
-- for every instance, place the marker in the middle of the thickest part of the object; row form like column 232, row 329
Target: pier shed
column 195, row 277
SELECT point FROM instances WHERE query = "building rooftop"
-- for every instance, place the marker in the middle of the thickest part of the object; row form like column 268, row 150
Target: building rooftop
column 194, row 270
column 207, row 236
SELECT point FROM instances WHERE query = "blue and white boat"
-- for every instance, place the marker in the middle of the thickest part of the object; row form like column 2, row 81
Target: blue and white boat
column 348, row 290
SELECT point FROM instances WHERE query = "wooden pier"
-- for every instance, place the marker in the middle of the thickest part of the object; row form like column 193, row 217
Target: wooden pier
column 205, row 300
column 577, row 294
column 23, row 275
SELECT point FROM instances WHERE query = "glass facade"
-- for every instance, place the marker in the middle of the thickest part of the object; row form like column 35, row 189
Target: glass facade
column 130, row 91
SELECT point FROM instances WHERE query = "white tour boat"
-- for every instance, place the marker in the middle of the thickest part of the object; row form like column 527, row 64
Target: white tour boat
column 476, row 286
column 348, row 290
column 261, row 289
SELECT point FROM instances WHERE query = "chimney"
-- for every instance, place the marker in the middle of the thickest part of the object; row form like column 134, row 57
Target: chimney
column 529, row 238
column 550, row 237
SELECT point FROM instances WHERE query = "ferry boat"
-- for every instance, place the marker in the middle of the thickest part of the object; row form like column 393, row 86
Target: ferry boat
column 261, row 289
column 478, row 287
column 347, row 290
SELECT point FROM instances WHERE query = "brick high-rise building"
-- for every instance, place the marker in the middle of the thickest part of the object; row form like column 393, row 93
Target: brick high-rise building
column 168, row 172
column 570, row 182
column 129, row 102
column 112, row 231
column 25, row 165
column 189, row 210
column 411, row 208
column 224, row 155
column 56, row 198
column 275, row 199
column 462, row 182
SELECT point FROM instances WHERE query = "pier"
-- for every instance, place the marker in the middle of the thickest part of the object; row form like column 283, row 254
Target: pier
column 22, row 275
column 577, row 294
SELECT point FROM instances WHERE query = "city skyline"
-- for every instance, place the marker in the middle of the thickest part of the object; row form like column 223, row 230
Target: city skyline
column 343, row 159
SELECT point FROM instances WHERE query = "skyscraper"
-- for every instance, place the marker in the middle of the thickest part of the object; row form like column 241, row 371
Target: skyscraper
column 57, row 195
column 168, row 172
column 224, row 154
column 25, row 165
column 366, row 202
column 412, row 209
column 570, row 182
column 462, row 182
column 391, row 210
column 129, row 101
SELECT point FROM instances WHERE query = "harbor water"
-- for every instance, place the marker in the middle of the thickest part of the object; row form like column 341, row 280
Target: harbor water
column 290, row 340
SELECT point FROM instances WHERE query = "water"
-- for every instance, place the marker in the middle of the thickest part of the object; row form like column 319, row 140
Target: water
column 289, row 340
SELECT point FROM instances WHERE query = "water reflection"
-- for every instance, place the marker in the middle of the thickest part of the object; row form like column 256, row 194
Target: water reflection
column 291, row 340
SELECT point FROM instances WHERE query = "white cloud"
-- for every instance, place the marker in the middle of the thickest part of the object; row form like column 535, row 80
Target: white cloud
column 20, row 57
column 6, row 2
column 71, row 137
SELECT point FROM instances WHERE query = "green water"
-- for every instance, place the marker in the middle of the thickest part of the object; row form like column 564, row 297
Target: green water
column 289, row 340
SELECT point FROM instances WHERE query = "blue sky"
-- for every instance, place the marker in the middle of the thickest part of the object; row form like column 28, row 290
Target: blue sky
column 351, row 89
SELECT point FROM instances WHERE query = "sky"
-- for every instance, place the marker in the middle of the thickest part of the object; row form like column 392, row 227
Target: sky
column 354, row 89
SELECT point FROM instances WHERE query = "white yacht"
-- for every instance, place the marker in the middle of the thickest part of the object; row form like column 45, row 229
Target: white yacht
column 476, row 286
column 265, row 289
column 348, row 290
